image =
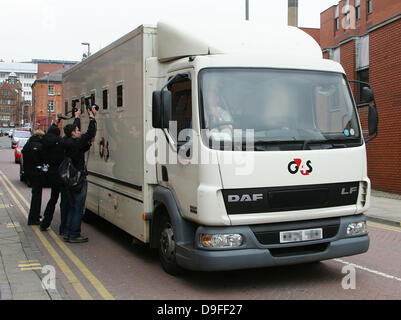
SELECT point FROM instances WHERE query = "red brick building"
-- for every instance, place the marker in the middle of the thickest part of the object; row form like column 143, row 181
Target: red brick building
column 365, row 37
column 51, row 66
column 47, row 97
column 11, row 101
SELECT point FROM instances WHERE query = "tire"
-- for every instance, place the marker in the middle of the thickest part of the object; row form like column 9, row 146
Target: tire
column 167, row 253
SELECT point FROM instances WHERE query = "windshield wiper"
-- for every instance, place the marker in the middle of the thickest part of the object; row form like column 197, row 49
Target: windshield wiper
column 306, row 143
column 301, row 144
column 332, row 143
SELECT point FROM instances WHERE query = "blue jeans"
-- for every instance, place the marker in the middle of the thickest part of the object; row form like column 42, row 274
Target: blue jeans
column 75, row 211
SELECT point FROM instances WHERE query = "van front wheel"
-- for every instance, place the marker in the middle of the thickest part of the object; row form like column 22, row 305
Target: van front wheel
column 167, row 249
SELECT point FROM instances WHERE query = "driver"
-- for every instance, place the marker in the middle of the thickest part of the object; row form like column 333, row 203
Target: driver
column 217, row 117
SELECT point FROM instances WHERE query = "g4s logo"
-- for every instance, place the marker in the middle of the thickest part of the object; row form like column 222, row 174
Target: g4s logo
column 297, row 165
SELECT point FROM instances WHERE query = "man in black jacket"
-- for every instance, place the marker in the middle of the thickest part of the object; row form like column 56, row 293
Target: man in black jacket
column 75, row 146
column 33, row 164
column 53, row 155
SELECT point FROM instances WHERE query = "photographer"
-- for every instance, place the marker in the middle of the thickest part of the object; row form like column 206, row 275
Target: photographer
column 53, row 155
column 75, row 146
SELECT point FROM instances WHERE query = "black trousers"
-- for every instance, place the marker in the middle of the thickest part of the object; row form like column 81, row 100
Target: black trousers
column 51, row 205
column 36, row 202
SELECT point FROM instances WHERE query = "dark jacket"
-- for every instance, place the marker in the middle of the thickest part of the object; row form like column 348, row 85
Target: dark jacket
column 53, row 153
column 32, row 157
column 76, row 148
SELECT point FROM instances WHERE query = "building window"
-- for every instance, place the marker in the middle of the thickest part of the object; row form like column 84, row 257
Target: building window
column 51, row 90
column 347, row 13
column 105, row 99
column 337, row 18
column 370, row 6
column 65, row 107
column 362, row 75
column 51, row 106
column 119, row 96
column 358, row 9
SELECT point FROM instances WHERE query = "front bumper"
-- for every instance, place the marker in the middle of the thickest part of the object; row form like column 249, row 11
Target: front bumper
column 253, row 254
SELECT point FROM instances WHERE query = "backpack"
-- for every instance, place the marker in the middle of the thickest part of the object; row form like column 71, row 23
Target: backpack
column 71, row 177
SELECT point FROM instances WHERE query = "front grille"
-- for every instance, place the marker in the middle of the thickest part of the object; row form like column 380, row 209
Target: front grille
column 269, row 234
column 276, row 199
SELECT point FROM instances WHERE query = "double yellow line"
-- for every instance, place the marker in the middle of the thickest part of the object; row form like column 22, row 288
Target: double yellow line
column 79, row 288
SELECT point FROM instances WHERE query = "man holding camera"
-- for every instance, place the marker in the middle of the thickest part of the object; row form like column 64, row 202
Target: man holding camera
column 53, row 155
column 75, row 146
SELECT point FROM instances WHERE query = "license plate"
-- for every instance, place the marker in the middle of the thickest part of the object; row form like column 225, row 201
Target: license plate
column 301, row 235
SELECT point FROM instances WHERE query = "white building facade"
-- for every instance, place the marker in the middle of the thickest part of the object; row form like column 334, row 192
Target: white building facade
column 26, row 74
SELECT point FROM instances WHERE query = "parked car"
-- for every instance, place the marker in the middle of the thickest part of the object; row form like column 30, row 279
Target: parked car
column 18, row 150
column 17, row 135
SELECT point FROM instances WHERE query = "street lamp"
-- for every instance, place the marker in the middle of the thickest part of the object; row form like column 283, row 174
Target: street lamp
column 87, row 44
column 47, row 98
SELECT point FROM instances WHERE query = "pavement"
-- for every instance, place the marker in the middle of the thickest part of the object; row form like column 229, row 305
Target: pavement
column 21, row 262
column 385, row 208
column 22, row 272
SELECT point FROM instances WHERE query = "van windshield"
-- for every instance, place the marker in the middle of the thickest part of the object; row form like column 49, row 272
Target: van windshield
column 292, row 108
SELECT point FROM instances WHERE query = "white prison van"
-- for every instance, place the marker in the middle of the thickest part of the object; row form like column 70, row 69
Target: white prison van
column 225, row 146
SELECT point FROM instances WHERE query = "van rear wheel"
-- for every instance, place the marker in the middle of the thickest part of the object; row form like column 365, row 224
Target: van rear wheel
column 167, row 247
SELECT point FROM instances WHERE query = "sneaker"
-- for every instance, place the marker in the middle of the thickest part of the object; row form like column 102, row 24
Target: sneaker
column 66, row 238
column 43, row 229
column 79, row 239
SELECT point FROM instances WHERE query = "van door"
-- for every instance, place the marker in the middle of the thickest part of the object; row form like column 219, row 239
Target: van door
column 179, row 172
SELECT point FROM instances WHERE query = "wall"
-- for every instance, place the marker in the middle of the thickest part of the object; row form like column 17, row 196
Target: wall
column 384, row 153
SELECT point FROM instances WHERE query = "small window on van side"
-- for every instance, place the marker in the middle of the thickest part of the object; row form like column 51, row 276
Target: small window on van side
column 120, row 95
column 181, row 108
column 105, row 99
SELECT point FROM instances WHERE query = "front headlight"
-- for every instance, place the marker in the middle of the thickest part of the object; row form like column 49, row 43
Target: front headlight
column 356, row 228
column 221, row 240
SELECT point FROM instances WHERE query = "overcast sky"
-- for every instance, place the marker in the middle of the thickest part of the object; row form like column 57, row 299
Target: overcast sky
column 54, row 29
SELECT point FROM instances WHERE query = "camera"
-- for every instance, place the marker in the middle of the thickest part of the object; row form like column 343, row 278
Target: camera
column 88, row 107
column 74, row 107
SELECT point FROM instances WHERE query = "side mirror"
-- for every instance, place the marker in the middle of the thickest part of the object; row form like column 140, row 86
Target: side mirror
column 373, row 120
column 367, row 95
column 161, row 109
